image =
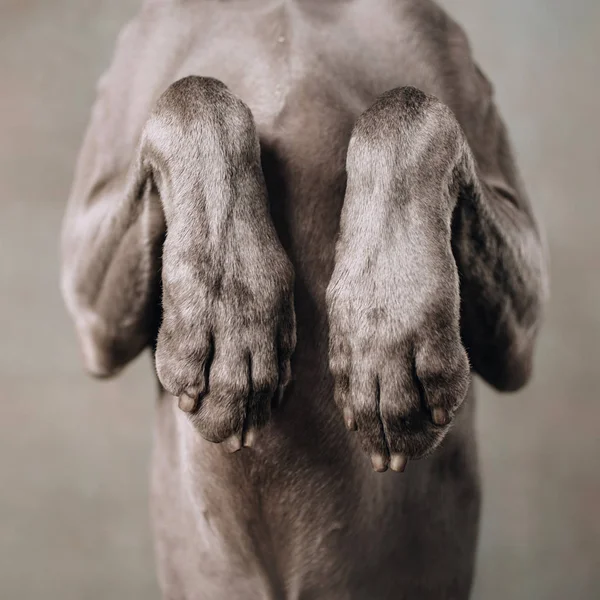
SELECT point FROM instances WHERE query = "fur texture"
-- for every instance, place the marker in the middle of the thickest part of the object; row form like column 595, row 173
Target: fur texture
column 231, row 145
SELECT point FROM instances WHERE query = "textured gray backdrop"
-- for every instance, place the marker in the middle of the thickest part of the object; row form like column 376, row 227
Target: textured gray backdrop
column 74, row 452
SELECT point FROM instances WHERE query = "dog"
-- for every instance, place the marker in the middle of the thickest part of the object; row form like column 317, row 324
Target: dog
column 309, row 211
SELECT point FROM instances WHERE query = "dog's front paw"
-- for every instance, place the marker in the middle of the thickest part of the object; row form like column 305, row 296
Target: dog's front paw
column 395, row 352
column 226, row 340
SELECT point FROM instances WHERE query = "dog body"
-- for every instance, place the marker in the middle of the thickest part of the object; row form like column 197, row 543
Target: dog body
column 301, row 514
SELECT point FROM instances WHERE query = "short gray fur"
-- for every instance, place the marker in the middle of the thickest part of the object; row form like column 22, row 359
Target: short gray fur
column 231, row 144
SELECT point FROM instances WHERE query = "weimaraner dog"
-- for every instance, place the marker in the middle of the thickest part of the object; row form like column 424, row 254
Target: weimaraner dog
column 309, row 211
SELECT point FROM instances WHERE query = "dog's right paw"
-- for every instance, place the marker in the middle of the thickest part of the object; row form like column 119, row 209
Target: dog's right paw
column 225, row 345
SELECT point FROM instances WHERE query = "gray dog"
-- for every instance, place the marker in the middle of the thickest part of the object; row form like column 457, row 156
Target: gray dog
column 320, row 194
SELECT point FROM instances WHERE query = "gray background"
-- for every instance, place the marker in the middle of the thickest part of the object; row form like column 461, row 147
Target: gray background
column 74, row 452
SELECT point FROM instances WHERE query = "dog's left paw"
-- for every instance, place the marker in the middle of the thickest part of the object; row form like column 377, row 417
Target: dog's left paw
column 395, row 350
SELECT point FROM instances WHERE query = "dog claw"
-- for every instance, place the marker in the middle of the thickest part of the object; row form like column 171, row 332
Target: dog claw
column 349, row 419
column 378, row 463
column 250, row 438
column 440, row 416
column 186, row 403
column 398, row 463
column 233, row 444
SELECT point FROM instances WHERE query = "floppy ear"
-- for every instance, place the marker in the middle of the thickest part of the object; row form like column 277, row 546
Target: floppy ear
column 111, row 245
